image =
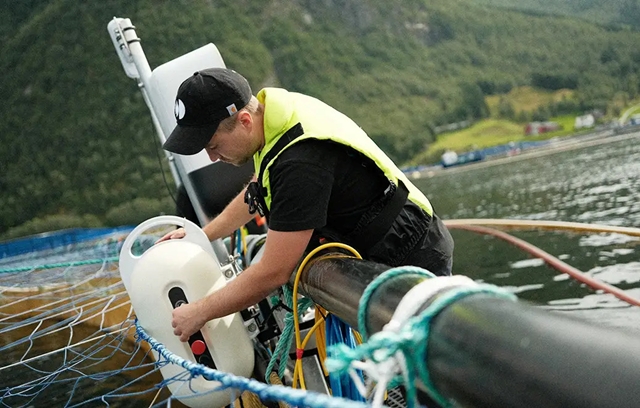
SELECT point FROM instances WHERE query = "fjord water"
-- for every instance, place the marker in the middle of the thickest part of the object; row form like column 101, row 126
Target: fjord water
column 599, row 185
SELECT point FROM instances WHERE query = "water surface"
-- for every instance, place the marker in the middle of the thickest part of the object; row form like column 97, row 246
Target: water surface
column 588, row 185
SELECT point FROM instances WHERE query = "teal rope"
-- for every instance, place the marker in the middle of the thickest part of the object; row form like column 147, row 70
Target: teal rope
column 281, row 353
column 284, row 342
column 294, row 397
column 59, row 265
column 411, row 340
column 426, row 317
column 373, row 286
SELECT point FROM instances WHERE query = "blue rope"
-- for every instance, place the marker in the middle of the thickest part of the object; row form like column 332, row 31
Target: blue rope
column 379, row 280
column 239, row 241
column 294, row 397
column 342, row 385
column 59, row 265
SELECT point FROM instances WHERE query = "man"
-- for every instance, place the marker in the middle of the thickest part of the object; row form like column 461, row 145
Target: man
column 318, row 177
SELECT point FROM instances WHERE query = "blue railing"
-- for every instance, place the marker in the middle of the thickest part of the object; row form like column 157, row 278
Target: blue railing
column 54, row 239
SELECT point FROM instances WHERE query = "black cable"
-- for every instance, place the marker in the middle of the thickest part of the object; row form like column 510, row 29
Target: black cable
column 164, row 177
column 278, row 305
column 324, row 316
column 233, row 242
column 283, row 306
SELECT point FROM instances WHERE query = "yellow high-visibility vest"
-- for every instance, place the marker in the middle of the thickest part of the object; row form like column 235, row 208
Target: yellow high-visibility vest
column 284, row 110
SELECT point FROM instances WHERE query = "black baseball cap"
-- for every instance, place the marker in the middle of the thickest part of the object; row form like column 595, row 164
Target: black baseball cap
column 203, row 101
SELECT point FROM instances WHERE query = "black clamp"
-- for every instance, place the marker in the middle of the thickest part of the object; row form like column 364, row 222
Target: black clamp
column 254, row 198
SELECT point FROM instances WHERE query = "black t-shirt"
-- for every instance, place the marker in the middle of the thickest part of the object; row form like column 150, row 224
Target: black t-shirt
column 320, row 183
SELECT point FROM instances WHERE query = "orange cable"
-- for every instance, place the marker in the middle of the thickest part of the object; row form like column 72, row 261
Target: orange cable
column 551, row 261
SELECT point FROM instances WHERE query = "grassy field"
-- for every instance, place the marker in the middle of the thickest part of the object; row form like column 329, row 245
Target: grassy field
column 632, row 111
column 489, row 132
column 526, row 98
column 493, row 131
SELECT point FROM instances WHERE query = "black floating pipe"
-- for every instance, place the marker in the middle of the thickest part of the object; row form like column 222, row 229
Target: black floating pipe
column 485, row 351
column 336, row 282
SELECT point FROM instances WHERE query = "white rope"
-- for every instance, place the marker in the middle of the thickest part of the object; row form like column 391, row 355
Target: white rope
column 80, row 343
column 383, row 372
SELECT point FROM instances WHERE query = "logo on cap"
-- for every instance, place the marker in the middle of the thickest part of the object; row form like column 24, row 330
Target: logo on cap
column 179, row 110
column 232, row 109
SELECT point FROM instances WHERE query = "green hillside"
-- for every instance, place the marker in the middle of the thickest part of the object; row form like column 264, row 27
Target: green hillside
column 611, row 12
column 77, row 139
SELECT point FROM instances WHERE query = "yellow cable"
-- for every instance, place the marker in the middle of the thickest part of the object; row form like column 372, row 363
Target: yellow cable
column 357, row 335
column 313, row 329
column 243, row 235
column 321, row 339
column 298, row 365
column 297, row 372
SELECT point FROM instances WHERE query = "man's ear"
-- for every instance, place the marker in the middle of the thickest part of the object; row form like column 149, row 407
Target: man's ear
column 245, row 119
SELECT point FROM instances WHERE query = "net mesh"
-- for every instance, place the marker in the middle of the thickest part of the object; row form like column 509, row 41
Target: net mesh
column 67, row 329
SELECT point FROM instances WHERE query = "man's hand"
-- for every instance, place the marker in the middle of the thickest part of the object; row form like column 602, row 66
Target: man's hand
column 187, row 319
column 177, row 234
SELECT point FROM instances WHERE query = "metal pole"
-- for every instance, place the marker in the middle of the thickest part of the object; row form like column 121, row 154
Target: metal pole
column 136, row 66
column 139, row 60
column 484, row 351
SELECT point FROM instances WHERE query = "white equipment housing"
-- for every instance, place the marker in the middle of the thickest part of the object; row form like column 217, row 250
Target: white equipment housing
column 161, row 279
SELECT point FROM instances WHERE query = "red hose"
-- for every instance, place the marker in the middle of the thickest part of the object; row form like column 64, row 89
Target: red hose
column 551, row 261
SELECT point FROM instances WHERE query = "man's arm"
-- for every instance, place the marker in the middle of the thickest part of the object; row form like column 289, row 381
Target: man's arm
column 235, row 215
column 282, row 253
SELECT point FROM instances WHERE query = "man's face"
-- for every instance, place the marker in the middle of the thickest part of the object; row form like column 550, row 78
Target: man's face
column 235, row 147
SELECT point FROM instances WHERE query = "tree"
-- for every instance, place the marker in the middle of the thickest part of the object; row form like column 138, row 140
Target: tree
column 630, row 13
column 473, row 101
column 505, row 109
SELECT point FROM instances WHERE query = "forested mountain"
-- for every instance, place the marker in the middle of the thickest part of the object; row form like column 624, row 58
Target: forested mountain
column 78, row 143
column 610, row 12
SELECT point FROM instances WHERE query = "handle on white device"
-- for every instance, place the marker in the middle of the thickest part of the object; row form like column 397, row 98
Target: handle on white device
column 128, row 260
